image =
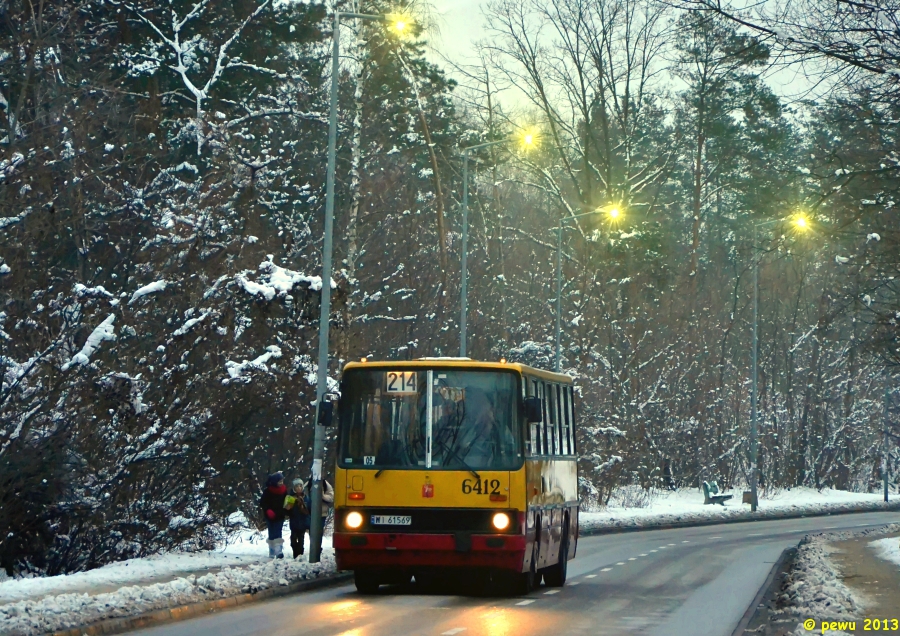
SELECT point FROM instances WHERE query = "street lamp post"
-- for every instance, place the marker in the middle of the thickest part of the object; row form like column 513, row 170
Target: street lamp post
column 464, row 283
column 315, row 531
column 753, row 383
column 802, row 224
column 614, row 214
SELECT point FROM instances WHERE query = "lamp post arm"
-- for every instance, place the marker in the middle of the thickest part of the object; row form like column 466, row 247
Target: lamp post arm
column 360, row 16
column 486, row 145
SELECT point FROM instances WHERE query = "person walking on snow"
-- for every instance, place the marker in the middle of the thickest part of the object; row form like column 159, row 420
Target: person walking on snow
column 272, row 504
column 298, row 515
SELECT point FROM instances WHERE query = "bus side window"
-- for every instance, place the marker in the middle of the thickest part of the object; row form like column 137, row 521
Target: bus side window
column 548, row 419
column 554, row 390
column 536, row 445
column 571, row 392
column 539, row 387
column 561, row 418
column 567, row 422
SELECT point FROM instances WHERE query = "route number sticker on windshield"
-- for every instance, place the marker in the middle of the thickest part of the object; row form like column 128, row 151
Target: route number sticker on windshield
column 402, row 382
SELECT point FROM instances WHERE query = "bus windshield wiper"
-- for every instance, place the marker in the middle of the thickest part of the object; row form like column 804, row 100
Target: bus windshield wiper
column 378, row 474
column 455, row 453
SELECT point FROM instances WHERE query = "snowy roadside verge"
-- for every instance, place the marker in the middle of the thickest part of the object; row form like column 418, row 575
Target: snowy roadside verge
column 813, row 586
column 686, row 508
column 72, row 611
column 153, row 569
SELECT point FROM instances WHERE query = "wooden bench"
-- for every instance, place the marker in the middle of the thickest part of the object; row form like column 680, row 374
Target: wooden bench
column 711, row 494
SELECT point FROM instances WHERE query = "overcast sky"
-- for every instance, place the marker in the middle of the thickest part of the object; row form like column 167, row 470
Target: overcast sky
column 461, row 23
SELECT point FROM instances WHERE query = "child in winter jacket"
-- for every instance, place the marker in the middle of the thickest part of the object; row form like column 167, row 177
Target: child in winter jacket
column 298, row 515
column 272, row 504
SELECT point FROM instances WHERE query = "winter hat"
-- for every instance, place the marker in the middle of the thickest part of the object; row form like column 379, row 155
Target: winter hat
column 274, row 478
column 297, row 482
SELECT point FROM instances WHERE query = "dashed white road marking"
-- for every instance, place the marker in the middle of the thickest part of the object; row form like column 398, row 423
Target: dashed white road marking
column 671, row 544
column 632, row 559
column 654, row 550
column 662, row 547
column 591, row 576
column 829, row 527
column 528, row 602
column 755, row 534
column 574, row 583
column 645, row 554
column 454, row 631
column 683, row 542
column 606, row 569
column 552, row 592
column 621, row 563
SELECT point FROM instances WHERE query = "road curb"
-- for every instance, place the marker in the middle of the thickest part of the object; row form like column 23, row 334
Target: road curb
column 172, row 614
column 893, row 506
column 767, row 591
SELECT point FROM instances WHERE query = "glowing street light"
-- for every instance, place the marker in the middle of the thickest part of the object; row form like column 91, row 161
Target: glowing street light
column 398, row 22
column 614, row 213
column 801, row 223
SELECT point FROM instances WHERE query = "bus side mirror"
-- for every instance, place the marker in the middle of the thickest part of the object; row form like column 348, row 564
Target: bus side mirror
column 326, row 413
column 533, row 409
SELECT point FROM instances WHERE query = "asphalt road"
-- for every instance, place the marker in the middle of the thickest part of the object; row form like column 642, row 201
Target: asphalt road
column 688, row 581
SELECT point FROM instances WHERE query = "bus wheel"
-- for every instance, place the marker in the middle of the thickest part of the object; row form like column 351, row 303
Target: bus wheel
column 555, row 575
column 366, row 582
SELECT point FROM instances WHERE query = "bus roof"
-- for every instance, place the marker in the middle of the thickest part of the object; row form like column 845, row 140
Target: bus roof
column 467, row 363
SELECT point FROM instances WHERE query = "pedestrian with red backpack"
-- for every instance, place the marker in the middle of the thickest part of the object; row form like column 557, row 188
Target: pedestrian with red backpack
column 272, row 504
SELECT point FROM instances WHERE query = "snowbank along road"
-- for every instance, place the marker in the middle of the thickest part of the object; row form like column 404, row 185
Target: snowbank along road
column 687, row 581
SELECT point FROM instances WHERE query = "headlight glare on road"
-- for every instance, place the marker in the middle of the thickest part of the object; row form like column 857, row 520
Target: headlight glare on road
column 354, row 520
column 500, row 520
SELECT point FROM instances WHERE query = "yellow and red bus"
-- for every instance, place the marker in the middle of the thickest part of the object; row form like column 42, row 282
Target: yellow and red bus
column 449, row 465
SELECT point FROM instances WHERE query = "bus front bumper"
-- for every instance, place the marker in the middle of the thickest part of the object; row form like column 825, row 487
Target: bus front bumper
column 460, row 550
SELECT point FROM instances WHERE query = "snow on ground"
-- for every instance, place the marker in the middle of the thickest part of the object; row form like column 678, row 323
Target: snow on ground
column 128, row 588
column 244, row 549
column 66, row 611
column 663, row 507
column 887, row 549
column 814, row 587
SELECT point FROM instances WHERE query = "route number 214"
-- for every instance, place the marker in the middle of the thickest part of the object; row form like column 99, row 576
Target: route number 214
column 401, row 382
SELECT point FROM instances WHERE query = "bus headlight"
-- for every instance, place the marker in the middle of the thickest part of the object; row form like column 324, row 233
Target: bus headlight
column 353, row 520
column 500, row 521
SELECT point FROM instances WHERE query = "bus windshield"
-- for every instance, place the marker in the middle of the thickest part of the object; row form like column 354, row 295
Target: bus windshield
column 473, row 423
